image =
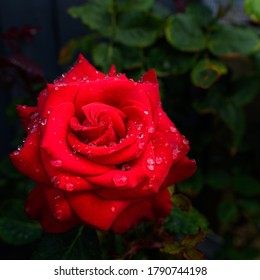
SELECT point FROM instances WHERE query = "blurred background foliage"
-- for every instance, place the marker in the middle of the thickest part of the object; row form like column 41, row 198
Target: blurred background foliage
column 208, row 67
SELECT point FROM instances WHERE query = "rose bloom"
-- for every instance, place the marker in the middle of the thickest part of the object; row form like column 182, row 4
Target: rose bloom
column 101, row 150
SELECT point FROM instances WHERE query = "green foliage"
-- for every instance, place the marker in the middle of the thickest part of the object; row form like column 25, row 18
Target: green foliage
column 80, row 243
column 252, row 8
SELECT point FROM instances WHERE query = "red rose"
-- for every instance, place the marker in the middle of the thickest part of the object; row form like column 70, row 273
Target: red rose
column 101, row 150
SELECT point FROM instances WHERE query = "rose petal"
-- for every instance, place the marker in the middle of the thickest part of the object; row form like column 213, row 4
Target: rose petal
column 28, row 160
column 24, row 113
column 82, row 70
column 54, row 143
column 51, row 209
column 94, row 210
column 150, row 209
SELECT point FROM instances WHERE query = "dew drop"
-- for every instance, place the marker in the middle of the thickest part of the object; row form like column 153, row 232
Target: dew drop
column 151, row 129
column 120, row 180
column 113, row 209
column 56, row 162
column 185, row 141
column 56, row 88
column 43, row 121
column 19, row 147
column 74, row 78
column 139, row 126
column 34, row 115
column 16, row 153
column 141, row 145
column 69, row 187
column 150, row 167
column 173, row 129
column 125, row 167
column 57, row 215
column 158, row 160
column 146, row 112
column 150, row 161
column 53, row 179
column 141, row 135
column 56, row 197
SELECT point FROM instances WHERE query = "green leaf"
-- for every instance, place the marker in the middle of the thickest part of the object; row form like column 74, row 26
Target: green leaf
column 206, row 72
column 138, row 5
column 82, row 44
column 80, row 243
column 105, row 55
column 190, row 241
column 218, row 178
column 227, row 211
column 252, row 8
column 181, row 201
column 230, row 41
column 193, row 185
column 160, row 10
column 245, row 90
column 15, row 226
column 137, row 29
column 184, row 34
column 95, row 14
column 234, row 118
column 250, row 206
column 185, row 222
column 246, row 185
column 202, row 14
column 167, row 61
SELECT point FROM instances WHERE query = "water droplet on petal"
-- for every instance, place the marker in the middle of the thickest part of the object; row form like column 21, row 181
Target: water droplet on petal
column 185, row 141
column 120, row 180
column 141, row 145
column 146, row 112
column 53, row 179
column 139, row 126
column 57, row 215
column 43, row 121
column 126, row 167
column 74, row 78
column 34, row 115
column 19, row 147
column 56, row 197
column 141, row 135
column 113, row 209
column 16, row 153
column 56, row 162
column 56, row 88
column 158, row 160
column 151, row 129
column 69, row 187
column 150, row 167
column 173, row 129
column 150, row 161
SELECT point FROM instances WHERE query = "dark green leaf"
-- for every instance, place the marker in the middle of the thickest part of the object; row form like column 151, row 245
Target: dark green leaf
column 227, row 211
column 206, row 72
column 80, row 243
column 252, row 8
column 139, row 5
column 246, row 185
column 181, row 201
column 15, row 226
column 193, row 185
column 229, row 41
column 218, row 178
column 245, row 90
column 137, row 29
column 105, row 55
column 160, row 10
column 250, row 206
column 234, row 118
column 183, row 33
column 95, row 14
column 168, row 61
column 202, row 14
column 183, row 222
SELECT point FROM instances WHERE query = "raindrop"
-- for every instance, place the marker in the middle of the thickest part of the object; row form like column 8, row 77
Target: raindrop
column 53, row 179
column 141, row 135
column 173, row 129
column 56, row 197
column 56, row 88
column 119, row 75
column 158, row 160
column 19, row 147
column 34, row 115
column 185, row 141
column 113, row 209
column 69, row 187
column 150, row 161
column 43, row 121
column 126, row 167
column 74, row 78
column 120, row 180
column 141, row 145
column 150, row 167
column 151, row 129
column 139, row 126
column 56, row 162
column 16, row 153
column 57, row 215
column 146, row 112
